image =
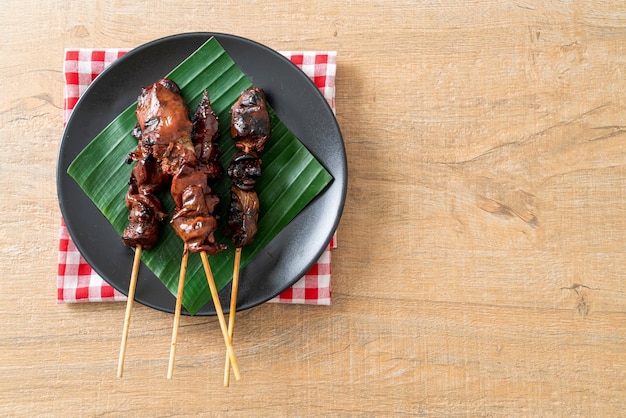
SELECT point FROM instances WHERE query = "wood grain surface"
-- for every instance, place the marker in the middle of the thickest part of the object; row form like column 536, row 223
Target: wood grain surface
column 480, row 268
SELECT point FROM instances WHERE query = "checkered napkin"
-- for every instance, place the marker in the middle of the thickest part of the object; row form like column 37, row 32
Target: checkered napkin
column 78, row 282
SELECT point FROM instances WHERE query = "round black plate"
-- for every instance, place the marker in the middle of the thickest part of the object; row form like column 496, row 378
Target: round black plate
column 296, row 100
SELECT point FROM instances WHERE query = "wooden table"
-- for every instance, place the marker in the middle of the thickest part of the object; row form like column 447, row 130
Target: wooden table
column 481, row 260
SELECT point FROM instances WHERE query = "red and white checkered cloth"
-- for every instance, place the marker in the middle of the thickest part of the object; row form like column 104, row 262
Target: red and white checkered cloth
column 78, row 282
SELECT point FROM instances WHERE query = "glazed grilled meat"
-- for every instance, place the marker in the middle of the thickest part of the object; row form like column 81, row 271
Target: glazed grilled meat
column 244, row 170
column 243, row 215
column 186, row 176
column 194, row 222
column 148, row 176
column 144, row 207
column 204, row 137
column 143, row 220
column 251, row 124
column 164, row 127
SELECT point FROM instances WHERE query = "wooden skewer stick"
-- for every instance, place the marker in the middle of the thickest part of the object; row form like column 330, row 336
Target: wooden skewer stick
column 179, row 301
column 129, row 308
column 233, row 309
column 220, row 313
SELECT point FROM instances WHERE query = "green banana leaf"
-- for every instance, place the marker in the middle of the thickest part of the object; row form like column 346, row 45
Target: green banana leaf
column 291, row 178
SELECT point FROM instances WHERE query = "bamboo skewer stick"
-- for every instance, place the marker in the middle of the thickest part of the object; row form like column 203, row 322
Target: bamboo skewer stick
column 233, row 309
column 179, row 301
column 129, row 307
column 220, row 313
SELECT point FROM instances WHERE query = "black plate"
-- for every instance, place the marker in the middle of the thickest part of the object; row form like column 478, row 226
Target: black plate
column 297, row 102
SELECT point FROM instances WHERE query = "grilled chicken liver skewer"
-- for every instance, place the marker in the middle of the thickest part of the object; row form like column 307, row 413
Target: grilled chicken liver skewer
column 250, row 129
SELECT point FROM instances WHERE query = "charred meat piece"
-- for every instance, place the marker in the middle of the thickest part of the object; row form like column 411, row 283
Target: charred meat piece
column 147, row 174
column 194, row 223
column 193, row 220
column 205, row 130
column 145, row 214
column 244, row 170
column 243, row 214
column 250, row 124
column 143, row 219
column 163, row 125
column 186, row 176
column 204, row 136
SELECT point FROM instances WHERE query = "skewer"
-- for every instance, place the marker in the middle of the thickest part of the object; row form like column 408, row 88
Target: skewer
column 129, row 307
column 179, row 301
column 233, row 309
column 220, row 313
